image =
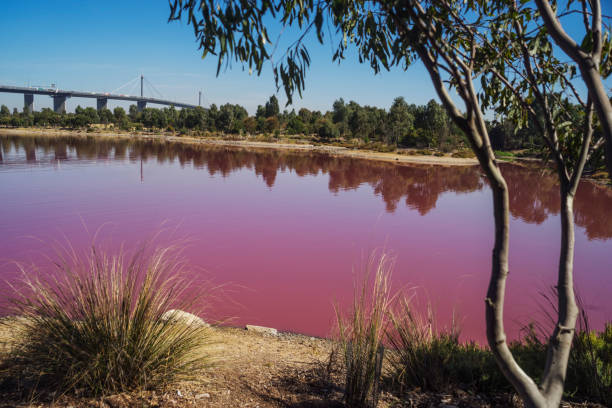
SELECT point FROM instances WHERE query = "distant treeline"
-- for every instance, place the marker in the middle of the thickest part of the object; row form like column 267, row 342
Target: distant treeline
column 402, row 125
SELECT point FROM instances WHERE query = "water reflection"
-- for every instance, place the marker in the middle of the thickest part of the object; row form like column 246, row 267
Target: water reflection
column 534, row 194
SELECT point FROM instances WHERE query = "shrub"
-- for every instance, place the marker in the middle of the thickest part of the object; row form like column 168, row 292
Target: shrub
column 590, row 365
column 589, row 372
column 326, row 129
column 362, row 333
column 97, row 325
column 433, row 359
column 502, row 153
column 421, row 356
column 464, row 154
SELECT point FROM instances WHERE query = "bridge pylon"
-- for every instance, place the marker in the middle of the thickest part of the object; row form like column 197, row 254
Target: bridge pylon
column 28, row 103
column 59, row 103
column 101, row 103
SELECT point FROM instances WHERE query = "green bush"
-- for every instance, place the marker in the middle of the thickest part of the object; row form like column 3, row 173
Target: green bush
column 464, row 154
column 423, row 357
column 435, row 360
column 326, row 129
column 590, row 365
column 501, row 153
column 96, row 325
column 426, row 358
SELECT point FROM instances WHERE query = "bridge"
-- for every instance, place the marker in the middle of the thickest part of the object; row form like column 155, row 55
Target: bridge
column 59, row 97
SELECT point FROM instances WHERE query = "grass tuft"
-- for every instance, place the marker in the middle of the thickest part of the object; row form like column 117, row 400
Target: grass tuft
column 94, row 326
column 362, row 333
column 424, row 357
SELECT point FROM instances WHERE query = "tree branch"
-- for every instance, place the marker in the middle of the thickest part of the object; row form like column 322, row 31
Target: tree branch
column 556, row 31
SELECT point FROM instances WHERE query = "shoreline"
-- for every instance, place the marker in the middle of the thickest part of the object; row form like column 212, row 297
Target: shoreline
column 297, row 146
column 257, row 369
column 306, row 147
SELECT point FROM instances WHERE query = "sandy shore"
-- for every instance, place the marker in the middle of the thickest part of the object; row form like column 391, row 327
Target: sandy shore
column 333, row 150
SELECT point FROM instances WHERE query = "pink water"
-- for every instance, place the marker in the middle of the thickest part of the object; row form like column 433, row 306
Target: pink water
column 285, row 233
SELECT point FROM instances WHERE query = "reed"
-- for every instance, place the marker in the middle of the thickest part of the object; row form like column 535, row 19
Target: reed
column 362, row 333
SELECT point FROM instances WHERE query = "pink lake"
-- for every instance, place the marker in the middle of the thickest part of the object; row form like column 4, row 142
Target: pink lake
column 286, row 233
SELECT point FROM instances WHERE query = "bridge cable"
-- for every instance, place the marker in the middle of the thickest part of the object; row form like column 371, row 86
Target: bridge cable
column 155, row 89
column 124, row 85
column 134, row 89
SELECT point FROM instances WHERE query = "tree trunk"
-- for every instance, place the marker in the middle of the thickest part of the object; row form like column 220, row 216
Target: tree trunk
column 560, row 341
column 494, row 303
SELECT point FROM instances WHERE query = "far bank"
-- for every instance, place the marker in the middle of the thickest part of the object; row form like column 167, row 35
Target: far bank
column 412, row 156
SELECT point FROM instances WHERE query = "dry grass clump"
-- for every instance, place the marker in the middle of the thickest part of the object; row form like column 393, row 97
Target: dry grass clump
column 94, row 325
column 362, row 333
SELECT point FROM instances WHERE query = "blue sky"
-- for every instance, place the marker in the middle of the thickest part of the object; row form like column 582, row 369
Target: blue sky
column 99, row 46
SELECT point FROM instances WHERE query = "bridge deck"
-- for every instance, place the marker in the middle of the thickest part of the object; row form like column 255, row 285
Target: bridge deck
column 93, row 95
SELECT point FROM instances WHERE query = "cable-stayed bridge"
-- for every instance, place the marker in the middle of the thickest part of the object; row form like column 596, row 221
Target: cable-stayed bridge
column 60, row 95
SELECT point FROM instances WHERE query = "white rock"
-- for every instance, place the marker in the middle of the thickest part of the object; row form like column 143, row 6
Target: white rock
column 261, row 329
column 179, row 316
column 205, row 395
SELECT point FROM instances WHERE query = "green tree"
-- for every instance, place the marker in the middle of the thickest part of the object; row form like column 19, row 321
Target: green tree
column 120, row 118
column 133, row 113
column 271, row 108
column 400, row 123
column 213, row 114
column 295, row 126
column 447, row 38
column 326, row 129
column 119, row 114
column 106, row 116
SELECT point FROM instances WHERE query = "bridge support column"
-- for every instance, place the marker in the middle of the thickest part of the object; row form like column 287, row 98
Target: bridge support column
column 101, row 103
column 28, row 103
column 59, row 103
column 141, row 105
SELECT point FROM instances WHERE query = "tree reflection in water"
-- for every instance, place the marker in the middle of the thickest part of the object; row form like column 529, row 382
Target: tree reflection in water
column 533, row 192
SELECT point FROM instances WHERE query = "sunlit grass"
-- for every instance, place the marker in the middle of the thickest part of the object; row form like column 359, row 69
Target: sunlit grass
column 94, row 325
column 362, row 333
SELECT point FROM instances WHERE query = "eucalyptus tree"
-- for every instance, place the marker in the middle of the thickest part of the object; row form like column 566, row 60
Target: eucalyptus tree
column 445, row 36
column 592, row 55
column 523, row 79
column 272, row 108
column 400, row 121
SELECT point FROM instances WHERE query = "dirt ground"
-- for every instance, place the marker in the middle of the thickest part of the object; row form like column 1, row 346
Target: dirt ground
column 251, row 369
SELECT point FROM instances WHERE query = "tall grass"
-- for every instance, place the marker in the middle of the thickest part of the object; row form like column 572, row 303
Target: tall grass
column 362, row 333
column 94, row 325
column 432, row 359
